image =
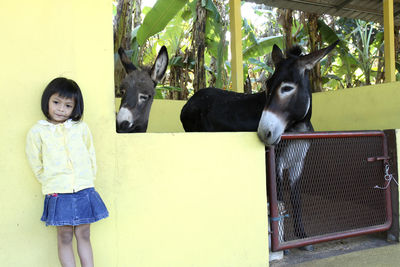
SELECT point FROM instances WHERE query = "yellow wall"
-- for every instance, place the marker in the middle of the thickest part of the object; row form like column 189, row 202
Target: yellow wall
column 164, row 115
column 174, row 199
column 364, row 108
column 197, row 204
column 42, row 40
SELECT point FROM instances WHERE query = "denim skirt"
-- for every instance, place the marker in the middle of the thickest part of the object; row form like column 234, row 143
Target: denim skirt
column 82, row 207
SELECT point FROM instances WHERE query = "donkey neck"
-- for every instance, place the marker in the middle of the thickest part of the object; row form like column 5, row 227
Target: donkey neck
column 304, row 125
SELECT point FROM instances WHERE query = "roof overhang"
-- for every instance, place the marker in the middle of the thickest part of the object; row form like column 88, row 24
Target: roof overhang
column 368, row 10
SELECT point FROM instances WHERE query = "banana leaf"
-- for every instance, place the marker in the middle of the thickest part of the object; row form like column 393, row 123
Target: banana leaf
column 158, row 17
column 262, row 47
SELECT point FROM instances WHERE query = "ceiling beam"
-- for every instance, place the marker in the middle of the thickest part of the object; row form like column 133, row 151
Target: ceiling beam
column 342, row 4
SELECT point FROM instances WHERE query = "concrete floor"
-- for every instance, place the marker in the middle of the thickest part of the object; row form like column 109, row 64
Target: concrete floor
column 363, row 251
column 384, row 256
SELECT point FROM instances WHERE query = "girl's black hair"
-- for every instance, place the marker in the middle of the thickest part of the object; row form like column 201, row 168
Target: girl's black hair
column 65, row 88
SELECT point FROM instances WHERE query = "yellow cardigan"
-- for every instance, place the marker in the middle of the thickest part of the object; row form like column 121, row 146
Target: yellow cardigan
column 62, row 156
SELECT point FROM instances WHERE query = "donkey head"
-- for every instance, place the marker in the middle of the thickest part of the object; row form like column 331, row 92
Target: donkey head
column 288, row 93
column 138, row 89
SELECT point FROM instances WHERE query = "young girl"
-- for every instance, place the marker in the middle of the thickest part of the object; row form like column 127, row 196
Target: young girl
column 61, row 154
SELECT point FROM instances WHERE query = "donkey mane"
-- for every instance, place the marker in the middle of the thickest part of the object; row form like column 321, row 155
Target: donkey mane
column 146, row 68
column 295, row 51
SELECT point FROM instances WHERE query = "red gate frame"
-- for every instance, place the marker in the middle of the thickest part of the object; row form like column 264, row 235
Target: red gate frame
column 271, row 181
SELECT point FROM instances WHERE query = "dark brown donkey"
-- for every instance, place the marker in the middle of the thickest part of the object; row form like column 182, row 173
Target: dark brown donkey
column 138, row 89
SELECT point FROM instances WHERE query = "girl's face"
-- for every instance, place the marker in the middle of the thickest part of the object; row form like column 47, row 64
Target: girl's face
column 60, row 108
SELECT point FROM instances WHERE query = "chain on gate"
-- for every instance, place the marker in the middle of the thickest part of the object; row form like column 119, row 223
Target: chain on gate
column 388, row 178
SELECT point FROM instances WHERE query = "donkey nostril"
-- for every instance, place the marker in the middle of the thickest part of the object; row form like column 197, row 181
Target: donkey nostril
column 268, row 134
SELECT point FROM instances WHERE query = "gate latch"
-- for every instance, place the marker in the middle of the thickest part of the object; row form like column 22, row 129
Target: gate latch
column 372, row 159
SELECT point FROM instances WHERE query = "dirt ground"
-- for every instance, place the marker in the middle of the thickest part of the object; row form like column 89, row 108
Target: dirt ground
column 332, row 248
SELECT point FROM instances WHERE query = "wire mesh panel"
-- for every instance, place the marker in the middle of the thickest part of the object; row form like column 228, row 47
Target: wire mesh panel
column 323, row 186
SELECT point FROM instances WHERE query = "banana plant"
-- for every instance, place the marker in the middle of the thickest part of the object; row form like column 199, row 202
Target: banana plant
column 158, row 17
column 368, row 50
column 358, row 49
column 345, row 65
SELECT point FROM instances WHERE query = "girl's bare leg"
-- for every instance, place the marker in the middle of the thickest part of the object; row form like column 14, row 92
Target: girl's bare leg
column 82, row 234
column 64, row 240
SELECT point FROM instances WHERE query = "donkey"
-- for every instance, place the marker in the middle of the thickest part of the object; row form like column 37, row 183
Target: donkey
column 138, row 89
column 284, row 107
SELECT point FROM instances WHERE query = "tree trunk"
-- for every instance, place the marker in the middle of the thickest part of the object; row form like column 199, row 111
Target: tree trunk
column 331, row 56
column 367, row 76
column 247, row 85
column 123, row 25
column 137, row 20
column 176, row 74
column 286, row 20
column 174, row 80
column 179, row 77
column 199, row 30
column 380, row 75
column 122, row 37
column 213, row 78
column 221, row 76
column 185, row 78
column 315, row 44
column 262, row 79
column 396, row 44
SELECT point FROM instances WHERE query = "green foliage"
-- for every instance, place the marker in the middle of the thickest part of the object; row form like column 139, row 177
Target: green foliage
column 163, row 90
column 328, row 35
column 259, row 65
column 255, row 48
column 158, row 17
column 358, row 50
column 216, row 46
column 169, row 23
column 261, row 47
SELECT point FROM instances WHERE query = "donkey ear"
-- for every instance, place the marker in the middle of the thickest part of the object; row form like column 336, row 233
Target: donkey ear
column 308, row 61
column 277, row 54
column 126, row 62
column 160, row 65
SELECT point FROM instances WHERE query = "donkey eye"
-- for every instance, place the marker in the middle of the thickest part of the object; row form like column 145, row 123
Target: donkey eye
column 286, row 89
column 143, row 97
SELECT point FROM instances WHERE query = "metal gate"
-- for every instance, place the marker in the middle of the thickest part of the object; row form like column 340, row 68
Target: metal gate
column 326, row 186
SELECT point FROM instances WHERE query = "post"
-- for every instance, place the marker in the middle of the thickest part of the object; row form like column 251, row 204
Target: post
column 388, row 25
column 236, row 45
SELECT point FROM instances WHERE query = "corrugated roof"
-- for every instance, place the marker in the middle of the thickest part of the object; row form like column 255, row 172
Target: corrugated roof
column 368, row 10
